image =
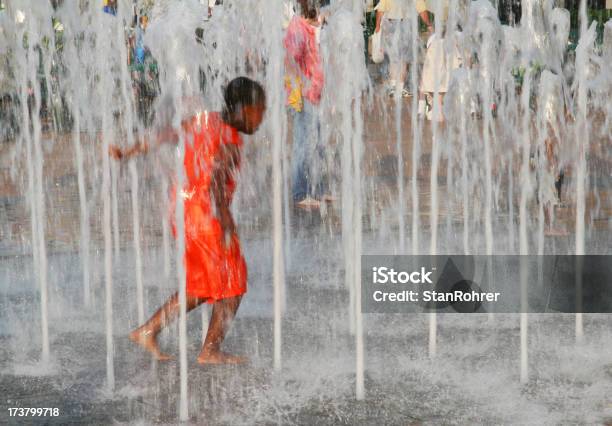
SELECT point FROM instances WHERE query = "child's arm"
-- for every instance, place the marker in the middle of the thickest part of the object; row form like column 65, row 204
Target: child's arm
column 379, row 16
column 224, row 168
column 166, row 135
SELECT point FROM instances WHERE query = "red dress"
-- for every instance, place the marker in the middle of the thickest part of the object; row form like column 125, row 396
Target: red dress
column 214, row 271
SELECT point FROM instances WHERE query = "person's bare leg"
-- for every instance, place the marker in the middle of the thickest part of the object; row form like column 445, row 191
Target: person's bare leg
column 550, row 229
column 441, row 118
column 402, row 78
column 223, row 313
column 394, row 72
column 146, row 334
column 422, row 105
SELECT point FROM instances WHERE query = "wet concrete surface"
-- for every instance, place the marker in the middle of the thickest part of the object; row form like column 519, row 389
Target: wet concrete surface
column 473, row 380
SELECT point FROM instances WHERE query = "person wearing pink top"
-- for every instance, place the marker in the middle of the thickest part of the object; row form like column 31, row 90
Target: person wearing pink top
column 304, row 84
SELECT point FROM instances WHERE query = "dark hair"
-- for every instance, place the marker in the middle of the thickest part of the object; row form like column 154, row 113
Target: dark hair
column 309, row 9
column 243, row 91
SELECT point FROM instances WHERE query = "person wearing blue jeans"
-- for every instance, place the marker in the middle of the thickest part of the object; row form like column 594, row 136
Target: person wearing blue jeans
column 307, row 153
column 304, row 82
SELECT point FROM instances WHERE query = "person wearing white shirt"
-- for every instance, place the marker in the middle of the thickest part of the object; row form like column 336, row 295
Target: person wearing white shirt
column 440, row 60
column 392, row 18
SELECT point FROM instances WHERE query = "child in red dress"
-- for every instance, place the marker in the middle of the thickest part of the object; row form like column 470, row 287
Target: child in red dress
column 216, row 271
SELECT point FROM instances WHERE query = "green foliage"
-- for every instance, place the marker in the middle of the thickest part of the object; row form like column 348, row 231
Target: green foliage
column 518, row 73
column 601, row 16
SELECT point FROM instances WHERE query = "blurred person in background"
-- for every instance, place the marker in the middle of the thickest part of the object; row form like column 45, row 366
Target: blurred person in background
column 110, row 7
column 392, row 18
column 304, row 84
column 439, row 60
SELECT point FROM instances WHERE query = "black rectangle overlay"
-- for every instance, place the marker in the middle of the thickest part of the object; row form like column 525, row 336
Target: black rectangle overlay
column 478, row 284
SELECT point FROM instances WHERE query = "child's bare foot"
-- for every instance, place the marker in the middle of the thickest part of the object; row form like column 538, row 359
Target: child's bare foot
column 148, row 342
column 219, row 357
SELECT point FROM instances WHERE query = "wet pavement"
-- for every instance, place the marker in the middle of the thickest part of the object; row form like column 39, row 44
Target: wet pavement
column 473, row 380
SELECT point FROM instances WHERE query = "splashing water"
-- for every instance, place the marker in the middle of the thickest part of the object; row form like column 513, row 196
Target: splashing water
column 85, row 242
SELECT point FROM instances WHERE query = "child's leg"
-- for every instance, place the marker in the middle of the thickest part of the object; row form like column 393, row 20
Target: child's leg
column 223, row 314
column 146, row 335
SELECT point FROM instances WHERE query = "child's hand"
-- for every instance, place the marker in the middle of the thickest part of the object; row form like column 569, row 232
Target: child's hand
column 115, row 152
